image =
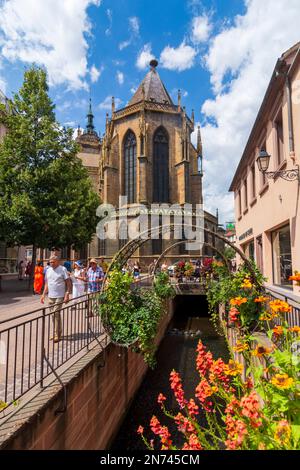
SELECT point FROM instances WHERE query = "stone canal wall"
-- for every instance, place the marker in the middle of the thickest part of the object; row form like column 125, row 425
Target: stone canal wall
column 97, row 400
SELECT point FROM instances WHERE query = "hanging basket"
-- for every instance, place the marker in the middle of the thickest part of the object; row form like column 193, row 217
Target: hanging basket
column 109, row 330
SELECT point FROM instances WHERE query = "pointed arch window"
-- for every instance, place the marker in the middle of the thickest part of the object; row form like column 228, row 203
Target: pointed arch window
column 130, row 167
column 161, row 166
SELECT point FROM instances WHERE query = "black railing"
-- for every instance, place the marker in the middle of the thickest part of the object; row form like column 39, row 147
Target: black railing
column 29, row 352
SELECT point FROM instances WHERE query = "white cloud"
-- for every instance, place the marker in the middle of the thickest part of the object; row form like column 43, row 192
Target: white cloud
column 95, row 73
column 134, row 25
column 134, row 29
column 3, row 85
column 133, row 89
column 144, row 57
column 110, row 19
column 106, row 104
column 178, row 59
column 124, row 44
column 201, row 29
column 50, row 33
column 120, row 77
column 262, row 34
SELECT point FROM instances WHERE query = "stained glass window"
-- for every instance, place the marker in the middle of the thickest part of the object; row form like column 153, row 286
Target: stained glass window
column 130, row 167
column 160, row 166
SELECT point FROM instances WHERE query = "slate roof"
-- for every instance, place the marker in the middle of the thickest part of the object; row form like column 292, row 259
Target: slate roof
column 154, row 90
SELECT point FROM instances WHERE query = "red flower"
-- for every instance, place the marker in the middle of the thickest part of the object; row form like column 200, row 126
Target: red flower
column 203, row 391
column 204, row 360
column 236, row 431
column 177, row 388
column 193, row 408
column 161, row 398
column 140, row 430
column 184, row 425
column 233, row 315
column 251, row 409
column 193, row 443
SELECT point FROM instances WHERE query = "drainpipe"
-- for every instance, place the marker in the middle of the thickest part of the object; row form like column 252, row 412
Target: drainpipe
column 290, row 108
column 290, row 117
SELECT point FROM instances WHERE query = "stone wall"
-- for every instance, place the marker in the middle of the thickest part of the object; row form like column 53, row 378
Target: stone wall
column 97, row 401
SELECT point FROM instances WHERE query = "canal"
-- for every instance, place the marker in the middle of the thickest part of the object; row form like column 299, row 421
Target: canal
column 177, row 351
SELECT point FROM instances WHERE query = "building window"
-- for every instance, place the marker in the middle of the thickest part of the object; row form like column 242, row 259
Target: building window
column 259, row 253
column 101, row 247
column 130, row 167
column 240, row 203
column 279, row 137
column 282, row 256
column 246, row 193
column 160, row 166
column 253, row 182
column 249, row 250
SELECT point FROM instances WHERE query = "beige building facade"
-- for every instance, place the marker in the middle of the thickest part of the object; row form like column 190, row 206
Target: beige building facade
column 267, row 207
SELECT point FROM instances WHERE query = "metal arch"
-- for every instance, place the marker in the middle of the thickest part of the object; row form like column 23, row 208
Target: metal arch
column 186, row 241
column 122, row 256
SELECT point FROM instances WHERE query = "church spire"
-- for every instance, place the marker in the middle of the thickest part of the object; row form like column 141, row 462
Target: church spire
column 90, row 128
column 199, row 142
column 199, row 152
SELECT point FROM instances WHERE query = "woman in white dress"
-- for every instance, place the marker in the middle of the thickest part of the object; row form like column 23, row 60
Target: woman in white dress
column 78, row 280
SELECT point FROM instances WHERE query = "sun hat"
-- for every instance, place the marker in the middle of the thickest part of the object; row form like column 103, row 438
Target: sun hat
column 79, row 263
column 93, row 260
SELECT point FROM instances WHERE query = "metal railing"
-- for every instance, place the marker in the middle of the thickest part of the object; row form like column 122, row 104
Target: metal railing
column 28, row 352
column 293, row 317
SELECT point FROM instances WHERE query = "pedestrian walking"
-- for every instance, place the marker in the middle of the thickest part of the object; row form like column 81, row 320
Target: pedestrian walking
column 78, row 280
column 20, row 270
column 38, row 278
column 58, row 287
column 94, row 277
column 28, row 268
column 136, row 272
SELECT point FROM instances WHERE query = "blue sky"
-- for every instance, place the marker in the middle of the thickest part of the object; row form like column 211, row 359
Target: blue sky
column 214, row 51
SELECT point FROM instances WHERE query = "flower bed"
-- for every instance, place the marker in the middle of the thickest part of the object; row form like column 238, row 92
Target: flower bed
column 253, row 401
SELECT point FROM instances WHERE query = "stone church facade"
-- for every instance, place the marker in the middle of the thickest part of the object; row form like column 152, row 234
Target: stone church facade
column 146, row 154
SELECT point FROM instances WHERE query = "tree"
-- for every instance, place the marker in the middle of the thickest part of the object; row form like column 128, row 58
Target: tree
column 47, row 197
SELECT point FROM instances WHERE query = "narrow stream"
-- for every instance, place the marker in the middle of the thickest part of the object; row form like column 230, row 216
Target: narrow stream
column 177, row 351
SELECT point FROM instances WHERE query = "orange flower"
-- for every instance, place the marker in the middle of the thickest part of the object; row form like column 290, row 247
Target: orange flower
column 240, row 347
column 282, row 381
column 261, row 299
column 238, row 301
column 246, row 284
column 233, row 368
column 268, row 316
column 261, row 351
column 280, row 306
column 278, row 330
column 283, row 432
column 295, row 329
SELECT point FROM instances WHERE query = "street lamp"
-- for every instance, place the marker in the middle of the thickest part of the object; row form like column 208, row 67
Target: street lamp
column 263, row 161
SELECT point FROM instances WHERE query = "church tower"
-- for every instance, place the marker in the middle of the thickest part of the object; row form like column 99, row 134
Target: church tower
column 147, row 154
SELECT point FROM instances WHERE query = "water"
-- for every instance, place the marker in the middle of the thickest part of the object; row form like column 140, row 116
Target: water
column 177, row 351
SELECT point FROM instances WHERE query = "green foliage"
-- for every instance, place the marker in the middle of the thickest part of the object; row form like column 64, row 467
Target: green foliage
column 162, row 286
column 223, row 286
column 131, row 315
column 46, row 195
column 229, row 253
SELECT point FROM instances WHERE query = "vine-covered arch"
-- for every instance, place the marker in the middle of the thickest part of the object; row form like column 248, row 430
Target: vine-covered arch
column 169, row 248
column 123, row 255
